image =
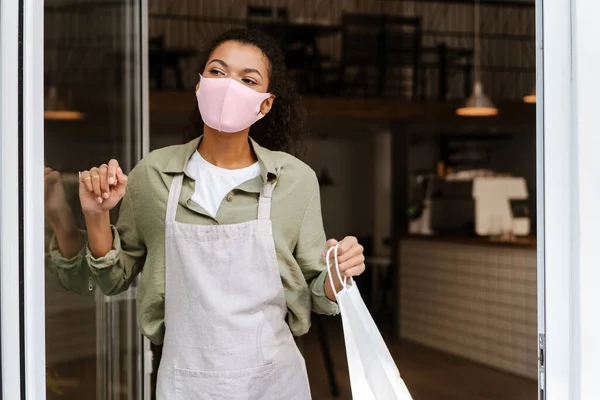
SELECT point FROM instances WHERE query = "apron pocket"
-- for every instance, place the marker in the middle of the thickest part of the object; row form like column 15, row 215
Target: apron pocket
column 260, row 383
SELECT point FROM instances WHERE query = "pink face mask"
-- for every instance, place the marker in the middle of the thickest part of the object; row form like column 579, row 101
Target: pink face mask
column 227, row 105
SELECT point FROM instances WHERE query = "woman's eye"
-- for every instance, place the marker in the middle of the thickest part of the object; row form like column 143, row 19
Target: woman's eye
column 216, row 72
column 248, row 81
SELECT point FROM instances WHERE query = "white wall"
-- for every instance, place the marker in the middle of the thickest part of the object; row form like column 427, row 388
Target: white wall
column 382, row 193
column 348, row 204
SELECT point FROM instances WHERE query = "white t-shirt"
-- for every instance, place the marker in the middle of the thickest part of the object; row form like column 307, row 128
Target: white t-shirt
column 214, row 183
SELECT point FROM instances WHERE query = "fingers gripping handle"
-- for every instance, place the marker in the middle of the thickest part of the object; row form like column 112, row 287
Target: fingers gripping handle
column 343, row 280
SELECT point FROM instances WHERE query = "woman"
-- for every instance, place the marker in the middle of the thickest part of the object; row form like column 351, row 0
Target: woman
column 229, row 235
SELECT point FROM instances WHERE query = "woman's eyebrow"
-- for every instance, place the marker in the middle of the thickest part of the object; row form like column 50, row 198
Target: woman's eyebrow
column 252, row 70
column 216, row 60
column 246, row 70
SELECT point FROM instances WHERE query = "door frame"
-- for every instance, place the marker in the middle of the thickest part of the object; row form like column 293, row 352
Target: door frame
column 540, row 192
column 22, row 223
column 568, row 143
column 557, row 234
column 146, row 350
column 10, row 178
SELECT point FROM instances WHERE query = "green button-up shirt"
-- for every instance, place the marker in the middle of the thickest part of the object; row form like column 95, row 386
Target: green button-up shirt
column 139, row 235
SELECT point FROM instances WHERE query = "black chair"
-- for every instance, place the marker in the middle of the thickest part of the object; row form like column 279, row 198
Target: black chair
column 299, row 51
column 156, row 66
column 446, row 62
column 362, row 51
column 401, row 49
column 161, row 58
column 256, row 14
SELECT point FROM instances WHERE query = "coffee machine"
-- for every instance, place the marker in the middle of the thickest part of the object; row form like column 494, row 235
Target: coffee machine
column 501, row 206
column 477, row 206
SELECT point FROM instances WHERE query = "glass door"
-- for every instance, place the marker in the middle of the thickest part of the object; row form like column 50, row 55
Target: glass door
column 541, row 249
column 93, row 112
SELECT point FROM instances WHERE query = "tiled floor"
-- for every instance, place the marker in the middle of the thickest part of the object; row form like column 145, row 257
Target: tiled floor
column 429, row 374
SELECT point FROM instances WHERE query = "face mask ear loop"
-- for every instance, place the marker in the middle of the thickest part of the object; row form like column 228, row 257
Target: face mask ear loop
column 199, row 82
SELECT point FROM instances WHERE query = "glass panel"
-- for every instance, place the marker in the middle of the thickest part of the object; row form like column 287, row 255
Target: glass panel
column 92, row 114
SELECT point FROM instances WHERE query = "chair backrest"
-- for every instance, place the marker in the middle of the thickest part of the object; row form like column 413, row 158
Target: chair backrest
column 361, row 39
column 156, row 43
column 402, row 40
column 267, row 13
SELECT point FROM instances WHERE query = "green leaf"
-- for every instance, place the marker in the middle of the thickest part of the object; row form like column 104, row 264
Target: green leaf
column 52, row 384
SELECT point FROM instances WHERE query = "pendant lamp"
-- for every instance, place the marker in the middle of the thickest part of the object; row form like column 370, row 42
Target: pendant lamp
column 56, row 109
column 530, row 98
column 478, row 104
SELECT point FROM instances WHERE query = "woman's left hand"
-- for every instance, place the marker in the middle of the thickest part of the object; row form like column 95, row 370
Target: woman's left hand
column 351, row 261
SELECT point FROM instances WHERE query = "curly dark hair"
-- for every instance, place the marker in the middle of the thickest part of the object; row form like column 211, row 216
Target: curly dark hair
column 284, row 127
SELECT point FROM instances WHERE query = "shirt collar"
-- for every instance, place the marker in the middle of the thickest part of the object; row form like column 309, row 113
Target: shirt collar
column 177, row 164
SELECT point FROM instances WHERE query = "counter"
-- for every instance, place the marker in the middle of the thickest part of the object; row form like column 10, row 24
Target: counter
column 473, row 298
column 525, row 242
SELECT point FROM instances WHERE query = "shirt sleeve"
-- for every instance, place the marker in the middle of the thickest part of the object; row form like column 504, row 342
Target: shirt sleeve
column 112, row 273
column 72, row 273
column 115, row 271
column 309, row 251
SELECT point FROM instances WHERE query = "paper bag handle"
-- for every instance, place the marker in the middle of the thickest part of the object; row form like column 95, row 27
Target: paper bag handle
column 344, row 279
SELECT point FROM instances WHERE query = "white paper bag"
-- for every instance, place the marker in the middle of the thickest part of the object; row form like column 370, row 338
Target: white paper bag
column 373, row 372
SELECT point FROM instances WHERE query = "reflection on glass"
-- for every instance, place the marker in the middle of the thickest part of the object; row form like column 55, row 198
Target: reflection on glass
column 91, row 115
column 56, row 109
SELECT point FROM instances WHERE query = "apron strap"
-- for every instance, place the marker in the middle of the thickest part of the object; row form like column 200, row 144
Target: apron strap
column 174, row 194
column 264, row 202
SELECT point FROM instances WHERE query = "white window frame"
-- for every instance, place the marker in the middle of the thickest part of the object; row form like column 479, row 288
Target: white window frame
column 586, row 275
column 145, row 88
column 571, row 195
column 23, row 325
column 34, row 216
column 9, row 202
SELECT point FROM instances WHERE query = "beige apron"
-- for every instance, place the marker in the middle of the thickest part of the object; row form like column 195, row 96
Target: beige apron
column 226, row 334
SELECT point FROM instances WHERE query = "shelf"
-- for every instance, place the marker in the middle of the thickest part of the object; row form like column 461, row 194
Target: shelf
column 166, row 104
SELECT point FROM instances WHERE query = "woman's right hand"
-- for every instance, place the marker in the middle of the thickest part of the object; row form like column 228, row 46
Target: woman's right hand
column 101, row 188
